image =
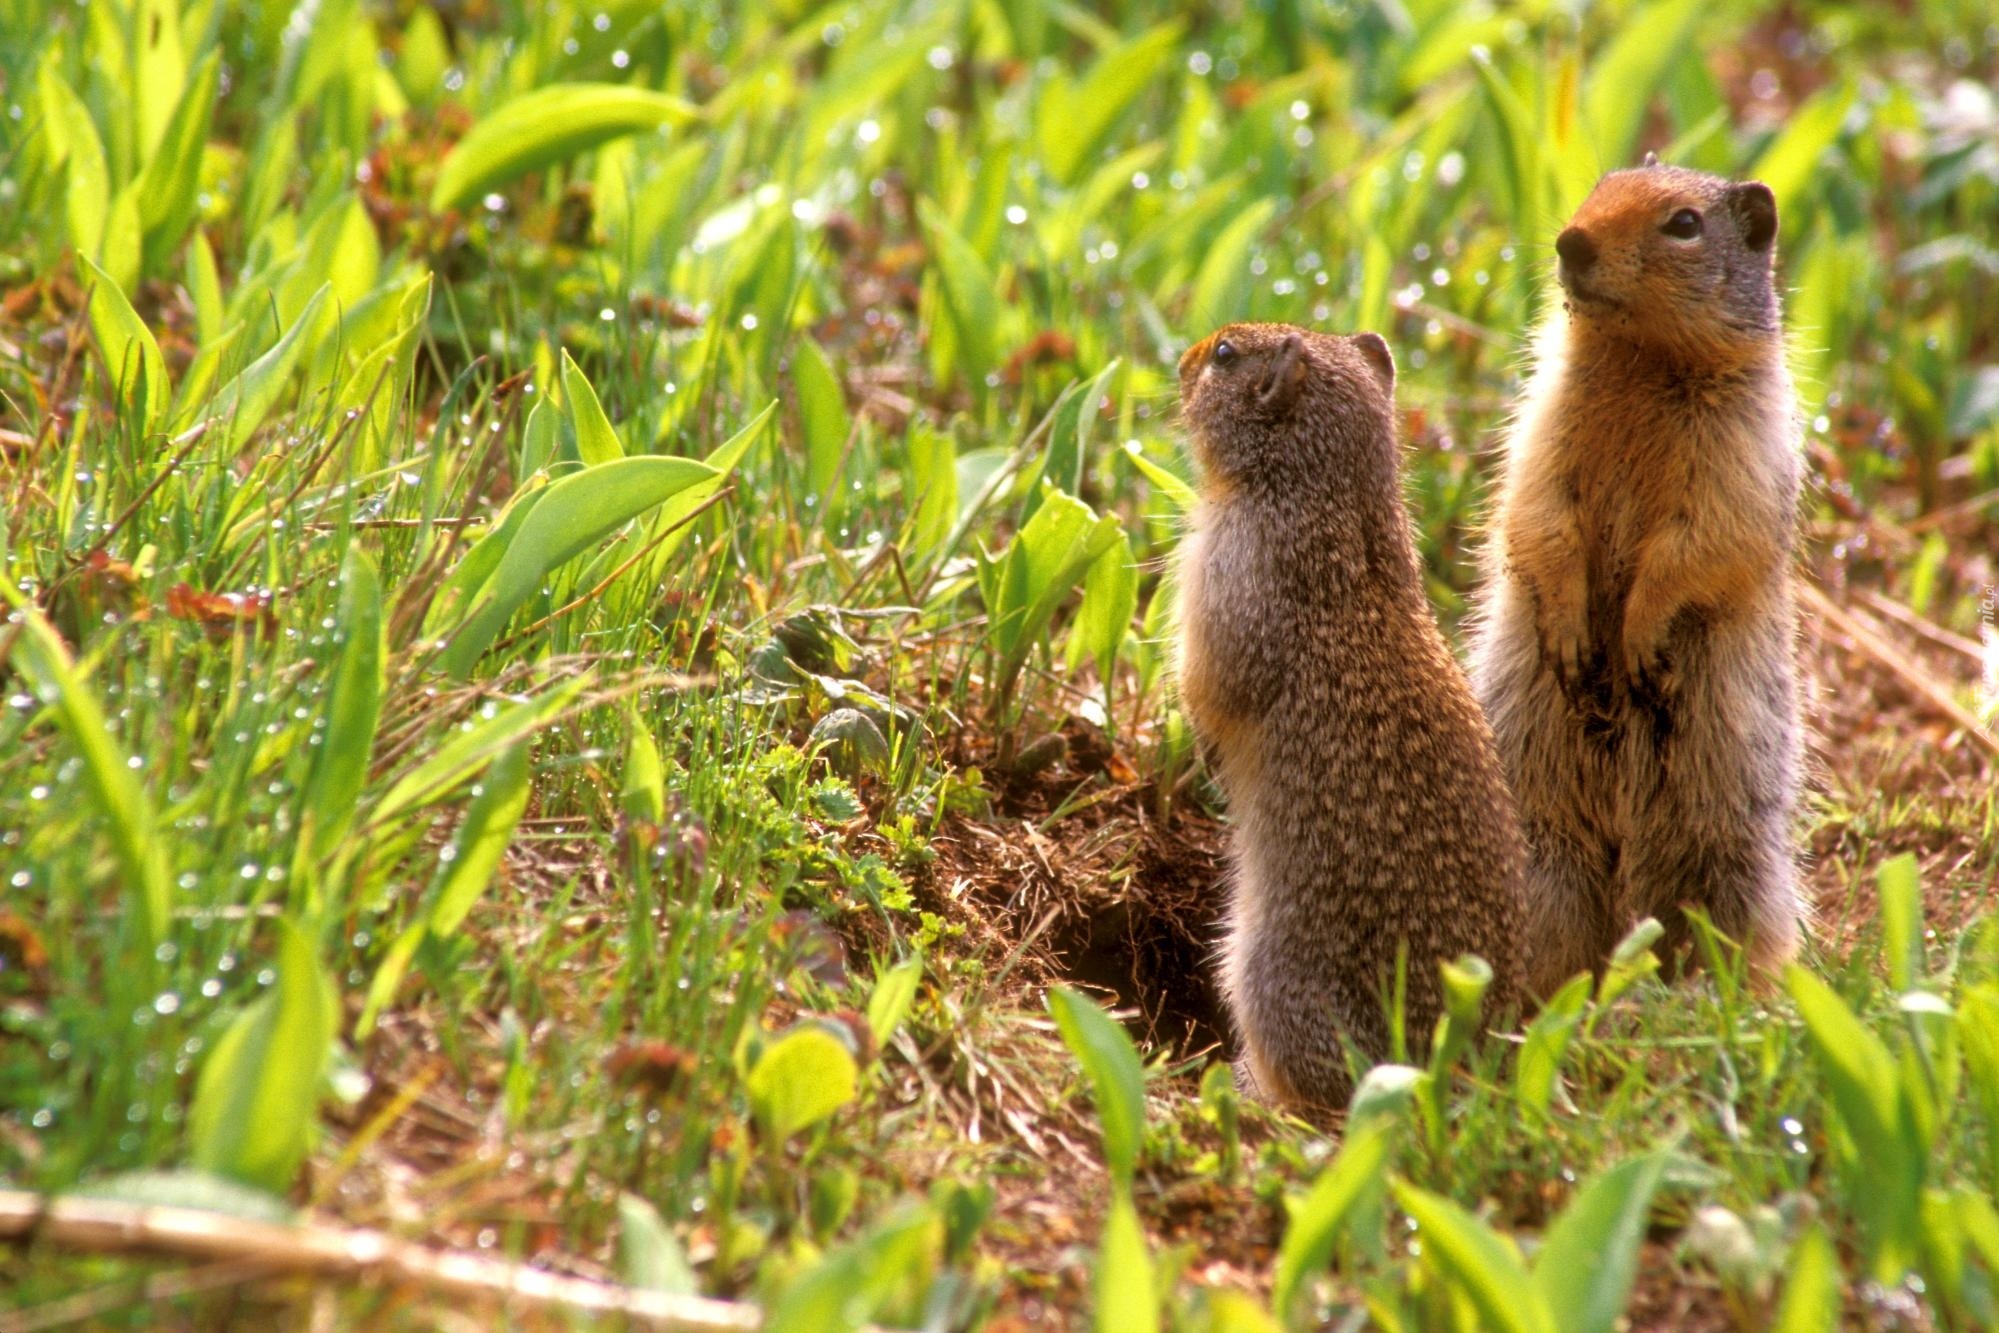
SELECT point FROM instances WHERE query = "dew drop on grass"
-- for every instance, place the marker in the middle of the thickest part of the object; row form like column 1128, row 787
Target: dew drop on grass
column 42, row 1118
column 266, row 976
column 38, row 792
column 21, row 879
column 211, row 987
column 166, row 1003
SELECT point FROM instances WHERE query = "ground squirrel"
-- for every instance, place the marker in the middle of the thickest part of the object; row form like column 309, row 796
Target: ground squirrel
column 1370, row 811
column 1634, row 654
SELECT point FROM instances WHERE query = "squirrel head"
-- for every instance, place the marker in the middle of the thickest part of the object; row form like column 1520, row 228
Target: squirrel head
column 1273, row 406
column 1677, row 260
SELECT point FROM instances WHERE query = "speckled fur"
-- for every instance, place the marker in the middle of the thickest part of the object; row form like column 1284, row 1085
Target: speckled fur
column 1634, row 649
column 1369, row 808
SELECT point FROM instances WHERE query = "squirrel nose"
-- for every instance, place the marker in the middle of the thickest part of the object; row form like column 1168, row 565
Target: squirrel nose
column 1577, row 250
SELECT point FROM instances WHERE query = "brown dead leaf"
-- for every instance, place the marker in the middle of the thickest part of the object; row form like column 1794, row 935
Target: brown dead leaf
column 224, row 613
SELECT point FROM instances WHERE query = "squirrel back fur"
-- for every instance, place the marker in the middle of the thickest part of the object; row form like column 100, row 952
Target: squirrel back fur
column 1371, row 818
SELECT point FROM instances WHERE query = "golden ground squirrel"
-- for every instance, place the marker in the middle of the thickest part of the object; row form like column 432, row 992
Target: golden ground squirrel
column 1634, row 655
column 1369, row 807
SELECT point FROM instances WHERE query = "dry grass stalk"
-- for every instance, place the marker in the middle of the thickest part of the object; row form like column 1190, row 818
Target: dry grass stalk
column 100, row 1226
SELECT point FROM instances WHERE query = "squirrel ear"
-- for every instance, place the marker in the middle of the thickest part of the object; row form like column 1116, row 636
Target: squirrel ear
column 1374, row 350
column 1755, row 208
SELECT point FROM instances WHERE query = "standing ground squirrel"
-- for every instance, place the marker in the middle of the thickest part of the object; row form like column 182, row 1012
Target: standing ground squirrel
column 1370, row 811
column 1635, row 652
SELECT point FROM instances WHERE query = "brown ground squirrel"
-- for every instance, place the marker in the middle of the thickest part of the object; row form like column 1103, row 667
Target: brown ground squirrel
column 1370, row 810
column 1634, row 653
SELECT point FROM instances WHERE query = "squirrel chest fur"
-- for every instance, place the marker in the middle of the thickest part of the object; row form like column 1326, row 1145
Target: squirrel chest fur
column 1634, row 648
column 1370, row 814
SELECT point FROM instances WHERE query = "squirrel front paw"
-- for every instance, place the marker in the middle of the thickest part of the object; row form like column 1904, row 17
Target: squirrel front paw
column 1648, row 661
column 1581, row 670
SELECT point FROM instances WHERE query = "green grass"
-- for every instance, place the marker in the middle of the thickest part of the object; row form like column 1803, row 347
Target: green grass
column 564, row 642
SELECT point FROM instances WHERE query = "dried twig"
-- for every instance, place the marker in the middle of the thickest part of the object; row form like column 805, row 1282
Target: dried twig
column 1897, row 663
column 101, row 1226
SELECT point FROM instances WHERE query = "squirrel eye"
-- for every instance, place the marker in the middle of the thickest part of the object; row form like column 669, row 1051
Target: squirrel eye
column 1223, row 354
column 1683, row 225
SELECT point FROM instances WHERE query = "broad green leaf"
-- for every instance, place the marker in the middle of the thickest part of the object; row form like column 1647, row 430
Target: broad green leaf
column 127, row 345
column 455, row 761
column 1073, row 120
column 1039, row 569
column 541, row 438
column 170, row 188
column 650, row 1256
column 822, row 411
column 932, row 477
column 1811, row 1301
column 1221, row 288
column 121, row 247
column 256, row 1101
column 204, row 286
column 1589, row 1257
column 499, row 799
column 1794, row 154
column 74, row 143
column 1539, row 1064
column 1127, row 1296
column 159, row 70
column 1887, row 1156
column 1466, row 980
column 122, row 804
column 970, row 296
column 841, row 1293
column 353, row 706
column 643, row 796
column 1900, row 888
column 1183, row 497
column 1978, row 1033
column 1526, row 177
column 1386, row 1093
column 475, row 568
column 1320, row 1215
column 1623, row 79
column 388, row 978
column 894, row 992
column 1478, row 1262
column 1110, row 599
column 1117, row 1080
column 799, row 1080
column 868, row 71
column 596, row 441
column 546, row 126
column 669, row 528
column 1070, row 424
column 242, row 404
column 573, row 515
